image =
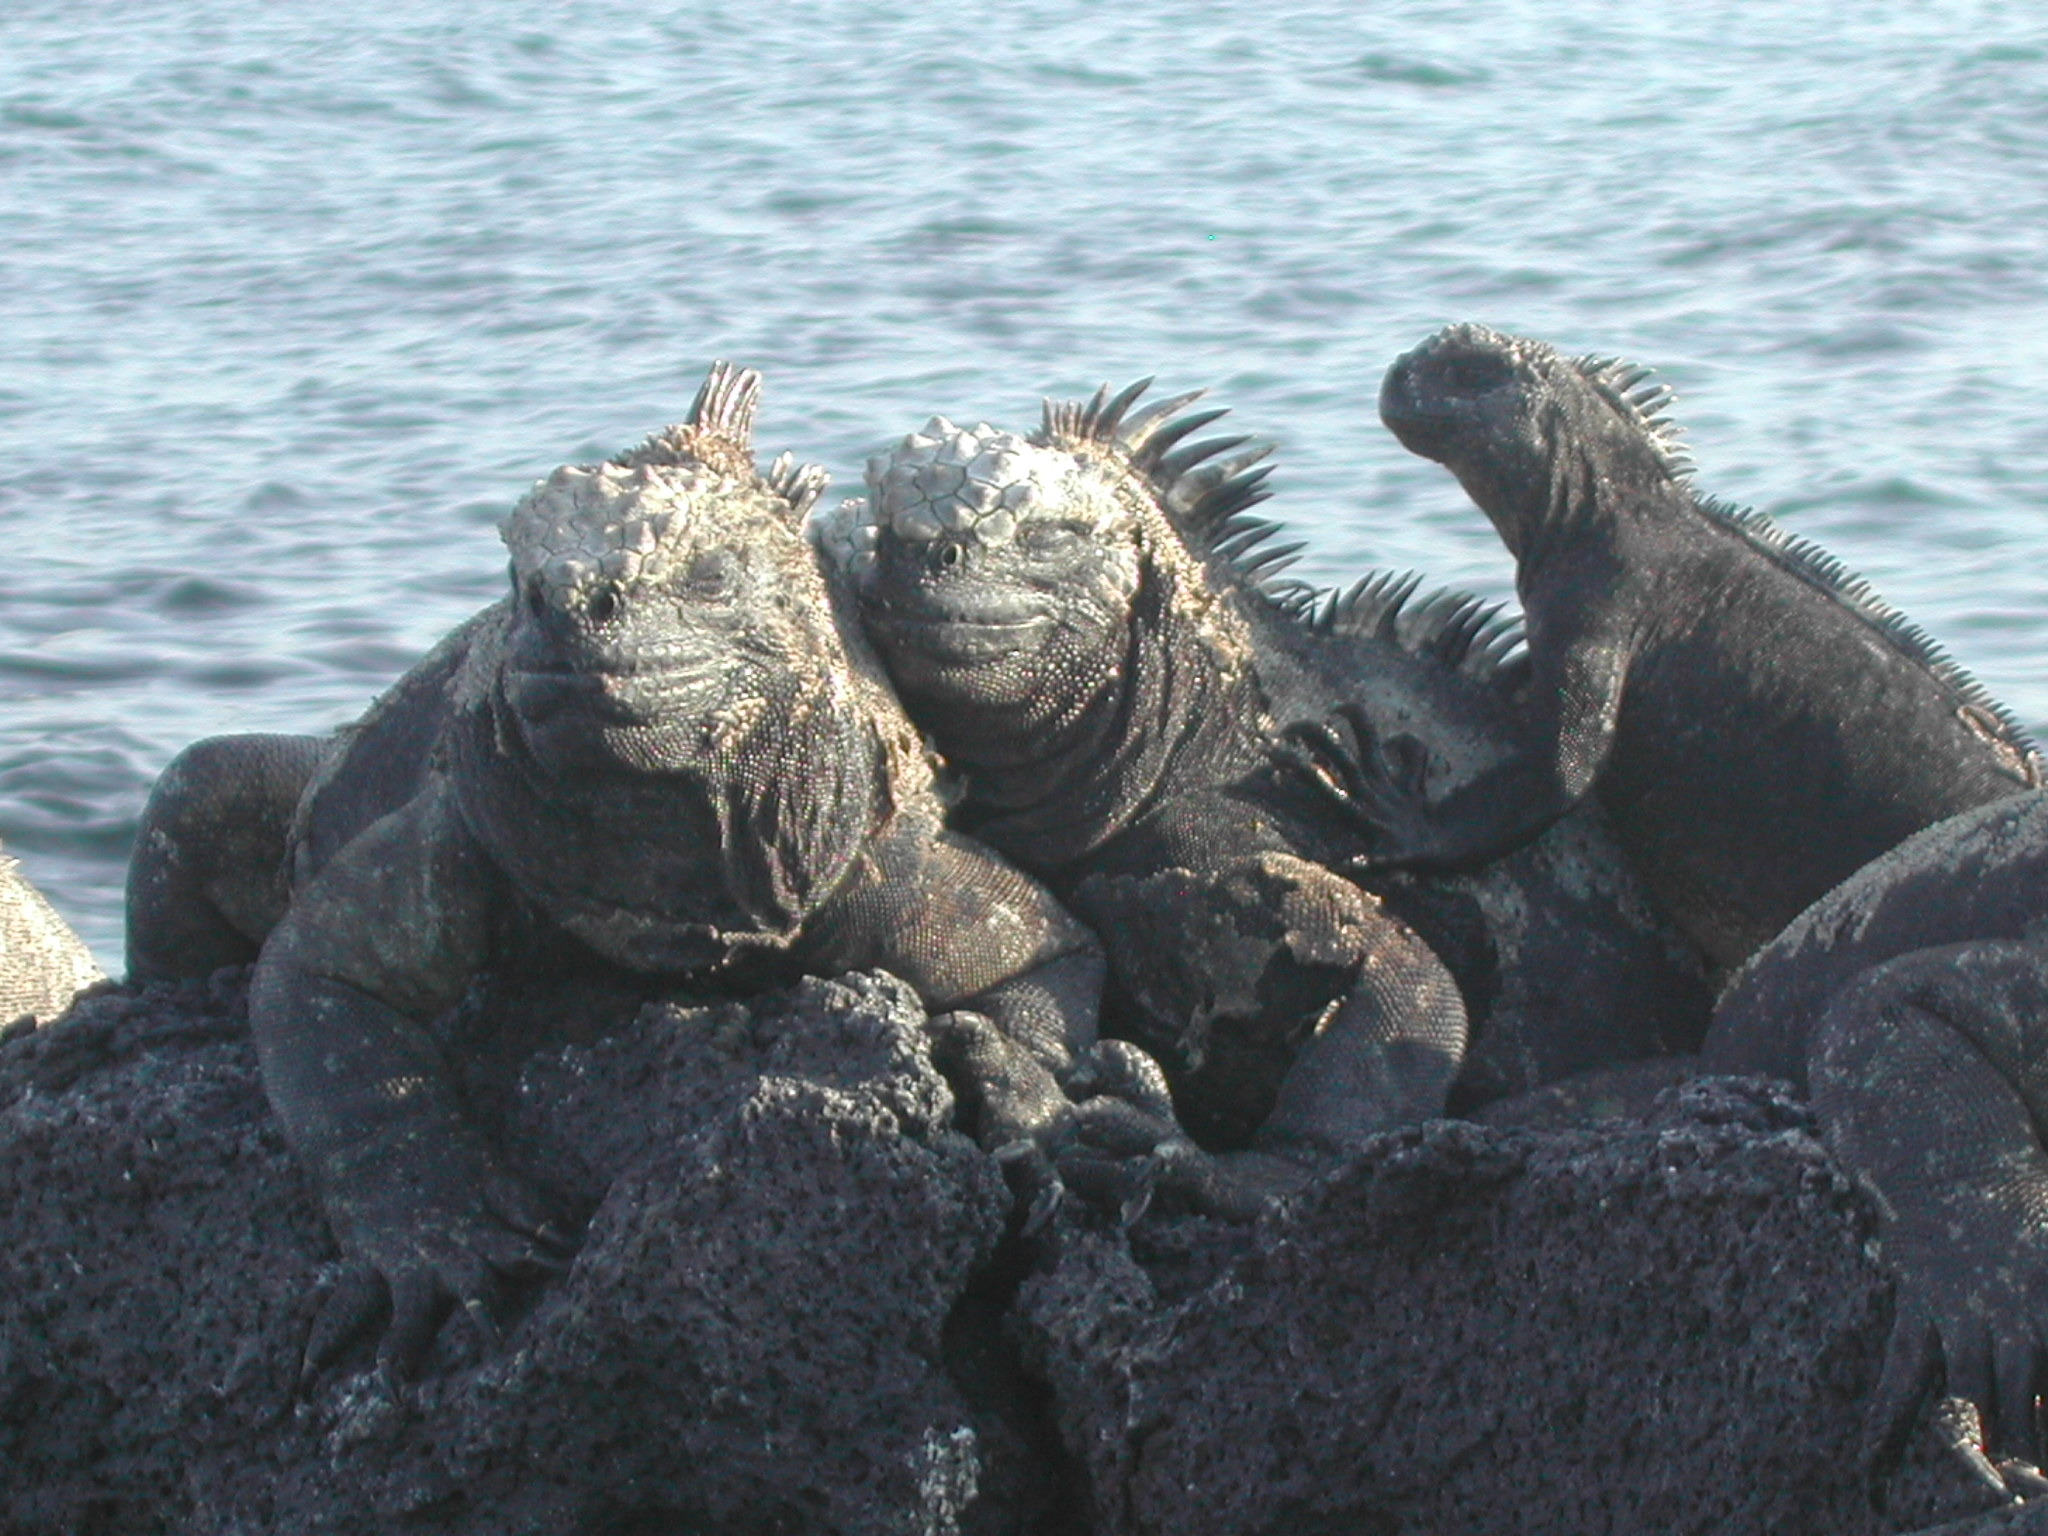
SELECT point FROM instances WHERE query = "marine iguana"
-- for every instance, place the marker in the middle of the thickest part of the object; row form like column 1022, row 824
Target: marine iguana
column 43, row 964
column 1089, row 627
column 1757, row 722
column 1912, row 1001
column 664, row 756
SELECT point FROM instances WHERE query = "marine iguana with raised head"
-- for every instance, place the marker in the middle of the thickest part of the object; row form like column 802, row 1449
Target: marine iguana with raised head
column 1762, row 728
column 1087, row 624
column 1756, row 722
column 666, row 756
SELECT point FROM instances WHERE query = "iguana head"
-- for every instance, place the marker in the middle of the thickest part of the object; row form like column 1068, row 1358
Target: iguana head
column 988, row 560
column 664, row 602
column 1526, row 429
column 997, row 569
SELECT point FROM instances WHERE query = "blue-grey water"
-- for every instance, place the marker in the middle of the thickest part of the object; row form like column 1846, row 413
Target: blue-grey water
column 295, row 300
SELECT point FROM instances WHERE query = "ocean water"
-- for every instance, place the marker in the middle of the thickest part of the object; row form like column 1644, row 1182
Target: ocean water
column 295, row 301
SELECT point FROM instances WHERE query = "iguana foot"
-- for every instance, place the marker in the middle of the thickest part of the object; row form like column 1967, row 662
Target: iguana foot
column 1379, row 787
column 1970, row 1320
column 1107, row 1132
column 1229, row 1186
column 422, row 1243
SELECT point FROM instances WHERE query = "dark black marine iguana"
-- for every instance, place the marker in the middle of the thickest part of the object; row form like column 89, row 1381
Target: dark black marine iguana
column 665, row 755
column 1911, row 1001
column 1756, row 722
column 1761, row 728
column 1085, row 623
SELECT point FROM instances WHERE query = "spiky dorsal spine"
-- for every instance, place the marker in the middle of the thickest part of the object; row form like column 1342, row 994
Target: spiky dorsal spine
column 1629, row 388
column 1204, row 488
column 1478, row 639
column 1814, row 565
column 1207, row 497
column 718, row 433
column 798, row 484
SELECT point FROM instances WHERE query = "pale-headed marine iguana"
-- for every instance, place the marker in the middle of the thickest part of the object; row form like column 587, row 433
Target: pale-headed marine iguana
column 43, row 963
column 667, row 756
column 1092, row 632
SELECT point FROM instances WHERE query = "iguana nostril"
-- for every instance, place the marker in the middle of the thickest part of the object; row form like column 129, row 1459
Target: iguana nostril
column 603, row 606
column 950, row 554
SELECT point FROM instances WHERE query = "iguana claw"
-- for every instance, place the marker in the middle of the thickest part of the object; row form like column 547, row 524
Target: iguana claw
column 1968, row 1333
column 1378, row 787
column 422, row 1242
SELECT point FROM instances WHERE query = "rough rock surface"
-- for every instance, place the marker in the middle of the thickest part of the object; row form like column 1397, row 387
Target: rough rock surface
column 787, row 1315
column 752, row 1338
column 1666, row 1327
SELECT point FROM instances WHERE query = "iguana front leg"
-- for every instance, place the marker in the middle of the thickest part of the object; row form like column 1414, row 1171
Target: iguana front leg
column 382, row 941
column 1930, row 1078
column 1575, row 694
column 1309, row 1018
column 977, row 938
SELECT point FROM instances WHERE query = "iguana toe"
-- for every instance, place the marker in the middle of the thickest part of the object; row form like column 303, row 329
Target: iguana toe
column 1957, row 1427
column 1117, row 1069
column 1967, row 1332
column 1377, row 786
column 1119, row 1187
column 1230, row 1186
column 1119, row 1128
column 358, row 1300
column 419, row 1306
column 1014, row 1095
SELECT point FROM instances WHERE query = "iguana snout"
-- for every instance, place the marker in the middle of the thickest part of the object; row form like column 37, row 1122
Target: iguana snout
column 1441, row 386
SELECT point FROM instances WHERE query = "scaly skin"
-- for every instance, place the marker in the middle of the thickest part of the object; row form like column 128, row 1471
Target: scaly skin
column 1082, row 623
column 1913, row 1001
column 235, row 822
column 1757, row 724
column 1761, row 728
column 659, row 760
column 43, row 964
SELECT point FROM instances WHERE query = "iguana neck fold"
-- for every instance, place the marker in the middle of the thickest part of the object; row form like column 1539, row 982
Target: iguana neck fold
column 1060, row 782
column 728, row 849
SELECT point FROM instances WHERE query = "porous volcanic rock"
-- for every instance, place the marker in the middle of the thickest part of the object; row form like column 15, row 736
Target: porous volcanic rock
column 754, row 1335
column 795, row 1310
column 1666, row 1326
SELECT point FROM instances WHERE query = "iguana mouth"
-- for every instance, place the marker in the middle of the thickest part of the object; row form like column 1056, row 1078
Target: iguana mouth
column 641, row 697
column 1411, row 415
column 958, row 632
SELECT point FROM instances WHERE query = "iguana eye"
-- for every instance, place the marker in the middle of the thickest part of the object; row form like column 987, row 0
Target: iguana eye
column 1476, row 375
column 1048, row 538
column 713, row 575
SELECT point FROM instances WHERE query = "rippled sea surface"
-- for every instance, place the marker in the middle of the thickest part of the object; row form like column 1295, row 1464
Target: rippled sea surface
column 296, row 300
